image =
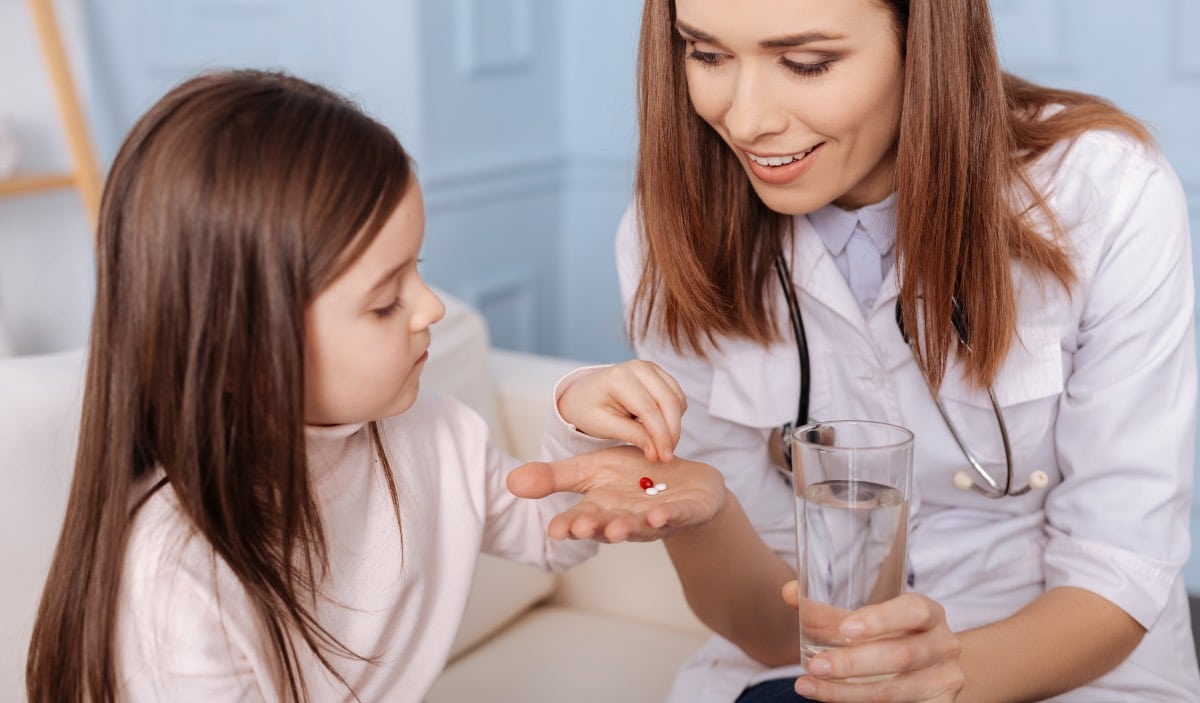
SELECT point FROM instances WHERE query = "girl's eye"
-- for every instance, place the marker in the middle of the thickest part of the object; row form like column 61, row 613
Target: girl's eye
column 704, row 58
column 806, row 70
column 388, row 311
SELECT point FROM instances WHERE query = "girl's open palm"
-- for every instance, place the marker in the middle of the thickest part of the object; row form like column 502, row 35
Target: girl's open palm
column 615, row 507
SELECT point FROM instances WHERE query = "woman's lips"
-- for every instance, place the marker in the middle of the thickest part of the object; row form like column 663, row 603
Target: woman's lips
column 782, row 175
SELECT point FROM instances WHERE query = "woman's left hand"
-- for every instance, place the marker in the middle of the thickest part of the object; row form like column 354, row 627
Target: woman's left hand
column 904, row 639
column 615, row 507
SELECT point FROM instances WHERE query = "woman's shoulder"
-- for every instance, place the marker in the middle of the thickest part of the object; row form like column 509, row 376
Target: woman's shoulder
column 1096, row 181
column 1103, row 159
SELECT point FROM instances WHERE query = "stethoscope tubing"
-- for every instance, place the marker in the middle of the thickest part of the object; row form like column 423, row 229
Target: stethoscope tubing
column 993, row 488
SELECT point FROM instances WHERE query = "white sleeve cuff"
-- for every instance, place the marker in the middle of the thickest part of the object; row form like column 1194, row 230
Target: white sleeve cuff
column 1139, row 585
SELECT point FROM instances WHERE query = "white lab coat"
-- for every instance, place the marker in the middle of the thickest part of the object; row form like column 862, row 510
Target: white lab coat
column 1099, row 392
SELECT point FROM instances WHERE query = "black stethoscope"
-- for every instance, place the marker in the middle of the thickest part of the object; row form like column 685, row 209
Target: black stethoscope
column 962, row 480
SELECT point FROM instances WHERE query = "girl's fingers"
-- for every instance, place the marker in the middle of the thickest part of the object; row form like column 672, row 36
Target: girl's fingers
column 670, row 404
column 643, row 396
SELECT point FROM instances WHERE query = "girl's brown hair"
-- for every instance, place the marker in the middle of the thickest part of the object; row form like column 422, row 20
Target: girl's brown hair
column 235, row 200
column 967, row 133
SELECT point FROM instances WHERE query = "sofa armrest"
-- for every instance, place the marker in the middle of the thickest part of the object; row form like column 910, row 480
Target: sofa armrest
column 631, row 581
column 40, row 399
column 524, row 394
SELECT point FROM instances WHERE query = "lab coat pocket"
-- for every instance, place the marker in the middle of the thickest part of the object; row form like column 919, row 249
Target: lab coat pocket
column 1027, row 389
column 759, row 387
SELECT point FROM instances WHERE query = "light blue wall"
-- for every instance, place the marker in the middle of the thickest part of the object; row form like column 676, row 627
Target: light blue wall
column 521, row 116
column 600, row 122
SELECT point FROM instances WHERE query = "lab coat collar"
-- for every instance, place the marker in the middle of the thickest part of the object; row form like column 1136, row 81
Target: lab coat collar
column 815, row 272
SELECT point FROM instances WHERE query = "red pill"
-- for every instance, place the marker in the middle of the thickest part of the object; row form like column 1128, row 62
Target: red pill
column 646, row 482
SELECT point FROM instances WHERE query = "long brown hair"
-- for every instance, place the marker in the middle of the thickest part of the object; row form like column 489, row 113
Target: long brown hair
column 235, row 200
column 967, row 131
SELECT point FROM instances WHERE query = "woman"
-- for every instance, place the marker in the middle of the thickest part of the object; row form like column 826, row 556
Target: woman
column 870, row 159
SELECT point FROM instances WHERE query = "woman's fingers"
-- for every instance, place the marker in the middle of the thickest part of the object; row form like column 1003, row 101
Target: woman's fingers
column 899, row 650
column 906, row 613
column 936, row 684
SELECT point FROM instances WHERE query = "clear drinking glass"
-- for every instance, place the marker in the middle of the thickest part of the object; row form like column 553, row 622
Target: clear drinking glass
column 852, row 480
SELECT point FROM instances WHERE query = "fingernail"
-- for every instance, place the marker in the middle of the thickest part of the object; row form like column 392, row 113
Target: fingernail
column 853, row 628
column 805, row 687
column 820, row 667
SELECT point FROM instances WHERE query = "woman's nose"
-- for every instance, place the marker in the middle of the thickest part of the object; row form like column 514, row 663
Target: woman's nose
column 753, row 111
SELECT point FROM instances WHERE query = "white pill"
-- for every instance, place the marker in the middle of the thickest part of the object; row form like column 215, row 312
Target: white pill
column 652, row 491
column 661, row 486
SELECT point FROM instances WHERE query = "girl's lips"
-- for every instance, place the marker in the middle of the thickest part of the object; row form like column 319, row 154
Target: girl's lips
column 782, row 175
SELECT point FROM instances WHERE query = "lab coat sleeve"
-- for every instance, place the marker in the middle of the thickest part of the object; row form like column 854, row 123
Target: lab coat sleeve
column 738, row 450
column 1118, row 523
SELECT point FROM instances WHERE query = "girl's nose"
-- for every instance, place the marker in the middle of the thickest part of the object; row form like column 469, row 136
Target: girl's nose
column 430, row 308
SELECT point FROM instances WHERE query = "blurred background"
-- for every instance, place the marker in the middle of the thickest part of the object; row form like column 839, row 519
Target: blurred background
column 521, row 117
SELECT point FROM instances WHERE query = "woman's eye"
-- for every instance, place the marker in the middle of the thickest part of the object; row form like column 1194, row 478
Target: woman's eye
column 807, row 70
column 388, row 310
column 707, row 58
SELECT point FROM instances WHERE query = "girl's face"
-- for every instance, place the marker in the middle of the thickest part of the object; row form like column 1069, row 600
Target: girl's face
column 807, row 93
column 367, row 333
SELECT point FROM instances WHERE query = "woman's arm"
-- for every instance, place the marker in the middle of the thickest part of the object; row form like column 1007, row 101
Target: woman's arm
column 1062, row 640
column 732, row 582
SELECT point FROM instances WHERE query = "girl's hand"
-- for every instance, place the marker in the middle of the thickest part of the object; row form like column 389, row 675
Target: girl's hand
column 636, row 402
column 905, row 640
column 615, row 507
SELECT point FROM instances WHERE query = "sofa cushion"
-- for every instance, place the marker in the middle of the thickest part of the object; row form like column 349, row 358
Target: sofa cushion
column 564, row 654
column 501, row 592
column 633, row 580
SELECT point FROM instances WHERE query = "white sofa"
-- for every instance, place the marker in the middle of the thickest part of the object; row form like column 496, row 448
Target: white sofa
column 614, row 629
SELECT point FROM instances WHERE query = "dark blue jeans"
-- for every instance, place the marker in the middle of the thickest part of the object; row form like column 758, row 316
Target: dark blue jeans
column 773, row 691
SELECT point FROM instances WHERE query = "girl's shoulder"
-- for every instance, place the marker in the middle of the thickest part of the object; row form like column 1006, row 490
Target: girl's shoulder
column 164, row 548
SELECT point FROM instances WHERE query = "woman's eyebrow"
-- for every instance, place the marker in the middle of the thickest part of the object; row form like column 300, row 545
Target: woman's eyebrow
column 790, row 40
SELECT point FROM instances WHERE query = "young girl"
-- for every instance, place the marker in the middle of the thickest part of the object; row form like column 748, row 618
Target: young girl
column 848, row 210
column 263, row 507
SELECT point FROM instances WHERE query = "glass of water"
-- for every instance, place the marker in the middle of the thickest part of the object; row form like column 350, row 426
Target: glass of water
column 852, row 481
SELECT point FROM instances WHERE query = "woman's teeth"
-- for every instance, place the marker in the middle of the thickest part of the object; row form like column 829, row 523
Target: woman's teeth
column 778, row 160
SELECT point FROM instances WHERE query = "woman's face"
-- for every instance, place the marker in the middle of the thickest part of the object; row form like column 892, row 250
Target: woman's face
column 807, row 93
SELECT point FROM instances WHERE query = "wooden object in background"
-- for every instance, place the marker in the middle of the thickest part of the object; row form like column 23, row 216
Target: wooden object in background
column 85, row 173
